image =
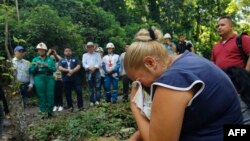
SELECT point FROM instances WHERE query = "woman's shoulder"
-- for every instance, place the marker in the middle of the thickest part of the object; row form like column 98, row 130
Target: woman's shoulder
column 178, row 78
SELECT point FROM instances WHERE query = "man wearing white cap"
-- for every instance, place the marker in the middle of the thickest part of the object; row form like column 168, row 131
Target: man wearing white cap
column 91, row 61
column 169, row 46
column 111, row 65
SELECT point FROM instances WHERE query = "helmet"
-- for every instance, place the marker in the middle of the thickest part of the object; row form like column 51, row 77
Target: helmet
column 110, row 45
column 99, row 49
column 41, row 46
column 167, row 35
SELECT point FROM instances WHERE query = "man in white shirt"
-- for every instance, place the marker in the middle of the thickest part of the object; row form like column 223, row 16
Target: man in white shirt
column 22, row 73
column 125, row 79
column 91, row 61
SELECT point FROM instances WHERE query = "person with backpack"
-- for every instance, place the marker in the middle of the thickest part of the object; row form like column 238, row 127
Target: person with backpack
column 226, row 53
column 241, row 80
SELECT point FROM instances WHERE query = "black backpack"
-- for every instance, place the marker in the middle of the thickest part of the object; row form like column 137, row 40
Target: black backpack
column 239, row 44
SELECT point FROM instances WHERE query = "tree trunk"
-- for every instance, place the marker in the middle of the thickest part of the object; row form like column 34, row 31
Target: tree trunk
column 6, row 33
column 18, row 116
column 17, row 11
column 154, row 10
column 15, row 104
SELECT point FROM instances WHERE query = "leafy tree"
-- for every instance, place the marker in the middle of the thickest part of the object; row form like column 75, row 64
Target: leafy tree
column 43, row 24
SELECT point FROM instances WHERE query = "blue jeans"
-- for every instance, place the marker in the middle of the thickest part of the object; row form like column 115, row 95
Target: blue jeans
column 108, row 81
column 24, row 91
column 94, row 84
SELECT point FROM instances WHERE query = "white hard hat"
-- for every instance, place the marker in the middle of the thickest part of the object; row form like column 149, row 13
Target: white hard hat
column 110, row 45
column 99, row 49
column 167, row 35
column 41, row 46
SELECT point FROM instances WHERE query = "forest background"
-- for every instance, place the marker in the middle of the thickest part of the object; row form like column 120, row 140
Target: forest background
column 72, row 23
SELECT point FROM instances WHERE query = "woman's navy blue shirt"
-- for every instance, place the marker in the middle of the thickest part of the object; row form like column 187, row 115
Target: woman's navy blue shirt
column 214, row 103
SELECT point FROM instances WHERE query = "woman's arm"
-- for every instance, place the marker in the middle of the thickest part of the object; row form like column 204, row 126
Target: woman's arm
column 167, row 114
column 141, row 121
column 135, row 137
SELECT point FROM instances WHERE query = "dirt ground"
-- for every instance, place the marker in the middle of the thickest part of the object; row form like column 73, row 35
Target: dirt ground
column 32, row 115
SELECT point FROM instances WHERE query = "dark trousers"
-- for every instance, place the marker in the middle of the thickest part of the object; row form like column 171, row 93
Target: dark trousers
column 1, row 120
column 125, row 84
column 102, row 86
column 58, row 93
column 24, row 92
column 68, row 87
column 5, row 104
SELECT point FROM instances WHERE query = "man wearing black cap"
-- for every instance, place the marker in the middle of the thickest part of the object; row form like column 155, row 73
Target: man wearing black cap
column 22, row 73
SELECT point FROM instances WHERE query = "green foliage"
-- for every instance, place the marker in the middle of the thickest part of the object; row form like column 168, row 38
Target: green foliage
column 44, row 25
column 106, row 120
column 7, row 76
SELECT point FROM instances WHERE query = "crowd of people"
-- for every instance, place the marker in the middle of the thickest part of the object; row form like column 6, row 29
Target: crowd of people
column 185, row 101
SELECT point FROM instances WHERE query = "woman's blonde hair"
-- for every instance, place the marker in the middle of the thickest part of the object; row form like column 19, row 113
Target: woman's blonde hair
column 146, row 43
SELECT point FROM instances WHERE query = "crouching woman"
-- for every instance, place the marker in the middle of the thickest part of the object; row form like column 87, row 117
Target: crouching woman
column 192, row 99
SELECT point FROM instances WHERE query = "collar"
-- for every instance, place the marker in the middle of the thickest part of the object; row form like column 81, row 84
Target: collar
column 16, row 59
column 225, row 41
column 68, row 58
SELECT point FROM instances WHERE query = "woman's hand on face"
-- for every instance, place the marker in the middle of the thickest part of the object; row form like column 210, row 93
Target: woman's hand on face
column 134, row 89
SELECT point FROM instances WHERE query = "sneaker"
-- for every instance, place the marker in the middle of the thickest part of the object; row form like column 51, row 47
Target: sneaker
column 54, row 109
column 60, row 108
column 97, row 103
column 91, row 104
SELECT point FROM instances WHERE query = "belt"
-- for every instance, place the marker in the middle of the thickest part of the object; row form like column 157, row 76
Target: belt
column 45, row 73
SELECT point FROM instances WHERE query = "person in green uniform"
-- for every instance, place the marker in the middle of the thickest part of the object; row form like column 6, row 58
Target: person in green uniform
column 42, row 69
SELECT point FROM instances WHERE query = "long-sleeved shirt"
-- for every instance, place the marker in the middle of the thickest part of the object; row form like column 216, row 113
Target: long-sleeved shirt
column 22, row 71
column 40, row 69
column 91, row 60
column 122, row 70
column 111, row 63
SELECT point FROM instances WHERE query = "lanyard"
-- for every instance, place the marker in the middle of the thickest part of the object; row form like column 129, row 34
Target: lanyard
column 68, row 63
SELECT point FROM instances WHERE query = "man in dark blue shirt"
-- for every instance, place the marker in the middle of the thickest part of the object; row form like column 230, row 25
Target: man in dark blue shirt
column 69, row 67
